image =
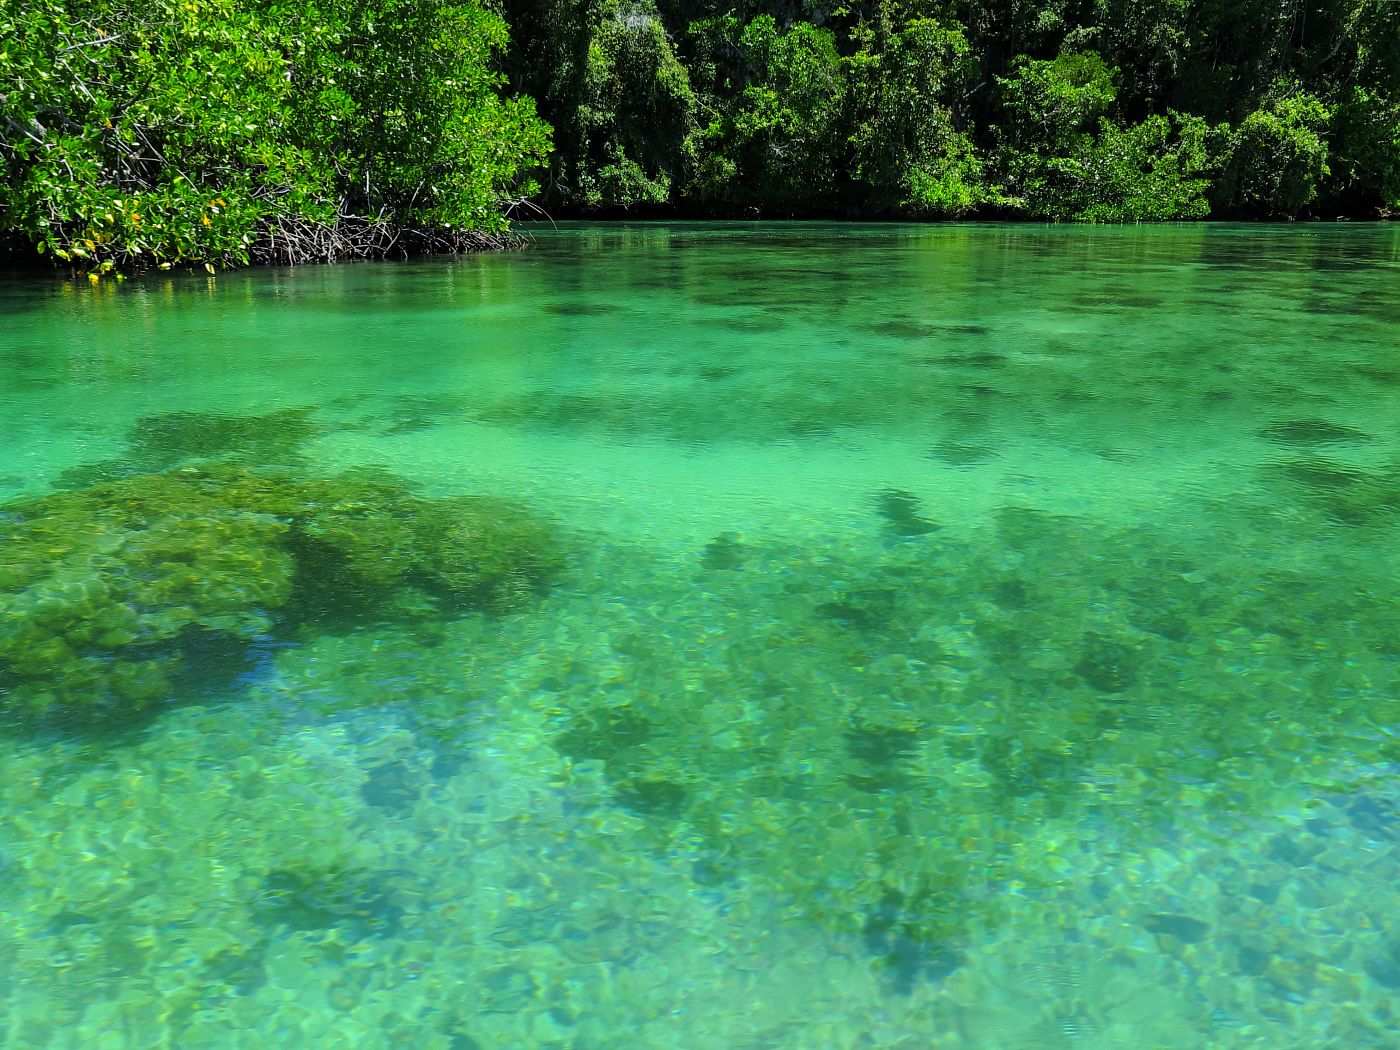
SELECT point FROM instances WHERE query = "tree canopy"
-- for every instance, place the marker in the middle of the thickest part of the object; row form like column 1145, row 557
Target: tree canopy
column 1088, row 110
column 218, row 132
column 222, row 131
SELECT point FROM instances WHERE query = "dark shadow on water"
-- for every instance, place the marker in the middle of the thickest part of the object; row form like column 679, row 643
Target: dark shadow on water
column 1378, row 374
column 901, row 511
column 975, row 361
column 581, row 309
column 715, row 373
column 899, row 940
column 920, row 330
column 1310, row 432
column 764, row 322
column 1345, row 494
column 157, row 443
column 962, row 454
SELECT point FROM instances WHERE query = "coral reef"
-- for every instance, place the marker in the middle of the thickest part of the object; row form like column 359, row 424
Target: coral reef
column 881, row 734
column 1344, row 494
column 101, row 589
column 161, row 442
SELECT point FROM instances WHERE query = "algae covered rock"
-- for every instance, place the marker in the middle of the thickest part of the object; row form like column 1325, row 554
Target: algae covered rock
column 1345, row 494
column 175, row 439
column 101, row 590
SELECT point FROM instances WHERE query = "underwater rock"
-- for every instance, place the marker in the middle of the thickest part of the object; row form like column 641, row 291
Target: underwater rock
column 1347, row 495
column 300, row 901
column 1023, row 771
column 1184, row 928
column 1309, row 432
column 1373, row 816
column 901, row 931
column 848, row 615
column 162, row 441
column 880, row 745
column 1320, row 476
column 900, row 510
column 102, row 589
column 85, row 475
column 1384, row 966
column 1253, row 961
column 652, row 797
column 393, row 786
column 725, row 551
column 865, row 610
column 958, row 454
column 412, row 413
column 1011, row 593
column 1108, row 665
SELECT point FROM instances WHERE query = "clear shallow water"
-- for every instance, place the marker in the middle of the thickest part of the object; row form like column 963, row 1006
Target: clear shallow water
column 962, row 636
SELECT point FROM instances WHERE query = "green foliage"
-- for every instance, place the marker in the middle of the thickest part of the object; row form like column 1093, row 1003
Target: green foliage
column 1106, row 110
column 1062, row 157
column 432, row 139
column 634, row 110
column 779, row 143
column 1277, row 158
column 1153, row 171
column 1365, row 164
column 1149, row 41
column 1050, row 105
column 218, row 131
column 100, row 588
column 907, row 146
column 227, row 131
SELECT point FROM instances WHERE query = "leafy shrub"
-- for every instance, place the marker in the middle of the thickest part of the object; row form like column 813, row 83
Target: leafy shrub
column 635, row 109
column 221, row 131
column 1048, row 105
column 1365, row 161
column 1153, row 171
column 908, row 148
column 779, row 141
column 1276, row 160
column 1063, row 157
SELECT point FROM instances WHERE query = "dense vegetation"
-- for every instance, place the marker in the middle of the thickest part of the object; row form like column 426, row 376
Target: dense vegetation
column 223, row 131
column 1094, row 110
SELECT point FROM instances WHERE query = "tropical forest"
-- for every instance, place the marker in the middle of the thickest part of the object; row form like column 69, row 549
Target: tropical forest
column 227, row 131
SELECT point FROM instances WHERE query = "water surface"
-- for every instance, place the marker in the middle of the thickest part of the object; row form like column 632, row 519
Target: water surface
column 957, row 636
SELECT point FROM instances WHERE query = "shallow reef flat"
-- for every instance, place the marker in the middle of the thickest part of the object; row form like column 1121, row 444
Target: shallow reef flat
column 1062, row 784
column 105, row 591
column 902, row 637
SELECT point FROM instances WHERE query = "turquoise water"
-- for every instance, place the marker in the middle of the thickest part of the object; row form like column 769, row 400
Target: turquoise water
column 972, row 637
